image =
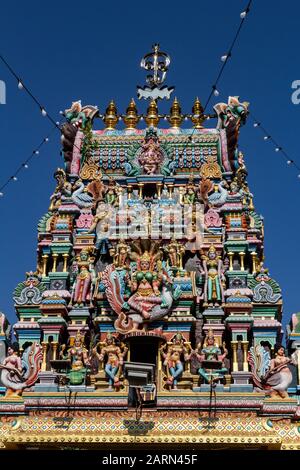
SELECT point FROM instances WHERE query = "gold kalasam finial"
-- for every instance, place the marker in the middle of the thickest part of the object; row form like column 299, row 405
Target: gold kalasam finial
column 175, row 118
column 110, row 117
column 152, row 118
column 197, row 114
column 131, row 118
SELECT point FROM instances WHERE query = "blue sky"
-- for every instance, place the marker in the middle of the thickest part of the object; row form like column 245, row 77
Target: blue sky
column 91, row 51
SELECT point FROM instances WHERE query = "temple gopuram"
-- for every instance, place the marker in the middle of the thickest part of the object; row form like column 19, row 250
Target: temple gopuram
column 150, row 318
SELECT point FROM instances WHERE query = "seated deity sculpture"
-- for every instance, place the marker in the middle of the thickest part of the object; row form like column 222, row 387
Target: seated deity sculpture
column 175, row 356
column 78, row 356
column 112, row 356
column 211, row 352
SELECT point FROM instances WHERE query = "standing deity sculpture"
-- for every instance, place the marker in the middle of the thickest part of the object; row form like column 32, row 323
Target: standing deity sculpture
column 211, row 352
column 175, row 251
column 112, row 356
column 121, row 254
column 213, row 271
column 85, row 279
column 101, row 224
column 178, row 353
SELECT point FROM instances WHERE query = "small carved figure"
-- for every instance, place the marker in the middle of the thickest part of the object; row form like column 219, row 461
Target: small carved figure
column 211, row 352
column 18, row 374
column 214, row 275
column 151, row 156
column 62, row 190
column 113, row 357
column 190, row 193
column 101, row 224
column 85, row 279
column 271, row 375
column 174, row 358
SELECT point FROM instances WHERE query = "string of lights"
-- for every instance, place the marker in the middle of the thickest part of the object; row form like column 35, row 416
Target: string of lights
column 22, row 86
column 25, row 164
column 277, row 148
column 225, row 58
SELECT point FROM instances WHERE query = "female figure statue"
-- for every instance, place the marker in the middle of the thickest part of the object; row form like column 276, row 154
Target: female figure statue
column 173, row 359
column 211, row 352
column 145, row 287
column 212, row 269
column 114, row 356
column 271, row 375
column 84, row 280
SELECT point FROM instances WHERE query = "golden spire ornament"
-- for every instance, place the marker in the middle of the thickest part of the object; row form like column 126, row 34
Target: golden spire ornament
column 197, row 114
column 175, row 118
column 131, row 118
column 110, row 117
column 152, row 118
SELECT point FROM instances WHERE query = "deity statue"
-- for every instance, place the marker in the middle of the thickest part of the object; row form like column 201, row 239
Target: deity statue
column 101, row 224
column 121, row 254
column 272, row 375
column 175, row 251
column 214, row 276
column 143, row 291
column 112, row 193
column 113, row 356
column 62, row 191
column 78, row 356
column 151, row 156
column 20, row 373
column 85, row 279
column 174, row 358
column 211, row 352
column 190, row 193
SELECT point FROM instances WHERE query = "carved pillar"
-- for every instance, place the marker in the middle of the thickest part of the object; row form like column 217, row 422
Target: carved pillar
column 242, row 256
column 245, row 356
column 181, row 193
column 65, row 256
column 141, row 185
column 235, row 365
column 55, row 346
column 254, row 257
column 159, row 188
column 44, row 363
column 45, row 259
column 54, row 256
column 170, row 189
column 129, row 191
column 230, row 255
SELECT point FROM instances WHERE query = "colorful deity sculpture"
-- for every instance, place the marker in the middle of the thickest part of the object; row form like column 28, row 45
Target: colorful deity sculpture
column 272, row 375
column 145, row 284
column 112, row 356
column 214, row 277
column 176, row 355
column 62, row 191
column 211, row 352
column 20, row 373
column 175, row 252
column 85, row 279
column 101, row 224
column 78, row 355
column 151, row 156
column 189, row 196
